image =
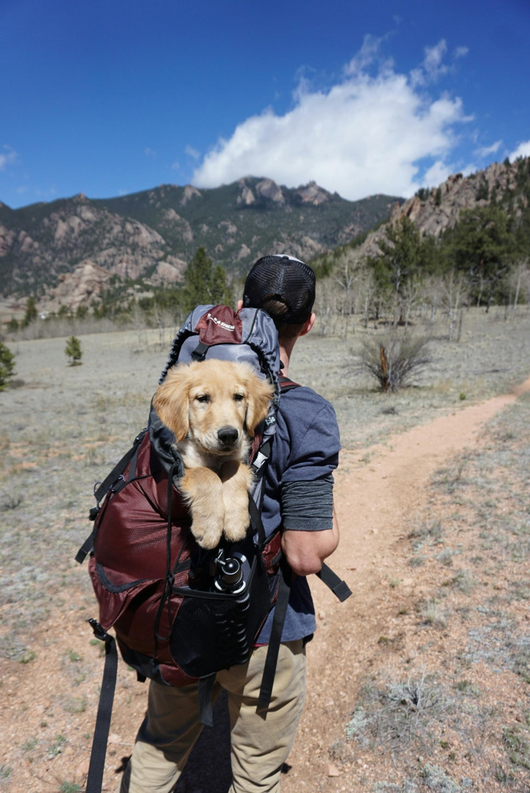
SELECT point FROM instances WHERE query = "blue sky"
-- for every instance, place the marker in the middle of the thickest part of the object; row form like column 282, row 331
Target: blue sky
column 112, row 97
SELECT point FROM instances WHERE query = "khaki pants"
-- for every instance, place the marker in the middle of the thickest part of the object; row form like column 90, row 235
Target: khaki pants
column 260, row 745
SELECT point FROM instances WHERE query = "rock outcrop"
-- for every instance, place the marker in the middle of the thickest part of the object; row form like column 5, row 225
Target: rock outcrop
column 435, row 210
column 77, row 288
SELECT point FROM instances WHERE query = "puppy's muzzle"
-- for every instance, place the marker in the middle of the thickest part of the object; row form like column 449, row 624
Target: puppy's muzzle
column 228, row 437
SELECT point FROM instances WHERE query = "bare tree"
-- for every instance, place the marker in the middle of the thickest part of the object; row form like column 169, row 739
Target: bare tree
column 347, row 276
column 454, row 289
column 519, row 281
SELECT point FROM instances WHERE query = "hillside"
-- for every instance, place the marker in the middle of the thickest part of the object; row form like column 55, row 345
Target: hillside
column 435, row 211
column 152, row 235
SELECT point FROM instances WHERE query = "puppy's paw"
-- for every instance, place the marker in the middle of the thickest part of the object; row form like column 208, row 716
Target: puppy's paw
column 236, row 525
column 207, row 536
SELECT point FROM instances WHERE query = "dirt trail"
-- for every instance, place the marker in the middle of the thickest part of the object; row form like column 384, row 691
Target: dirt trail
column 374, row 502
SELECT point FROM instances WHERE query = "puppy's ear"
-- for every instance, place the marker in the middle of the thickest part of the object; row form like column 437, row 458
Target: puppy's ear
column 171, row 401
column 260, row 393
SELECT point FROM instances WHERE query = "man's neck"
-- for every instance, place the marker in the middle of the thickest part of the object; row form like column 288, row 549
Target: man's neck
column 285, row 357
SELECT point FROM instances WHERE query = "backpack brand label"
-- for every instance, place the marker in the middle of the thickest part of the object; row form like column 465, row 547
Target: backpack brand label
column 219, row 322
column 220, row 325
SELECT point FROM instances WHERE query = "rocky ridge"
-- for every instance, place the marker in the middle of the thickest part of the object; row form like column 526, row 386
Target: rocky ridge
column 435, row 210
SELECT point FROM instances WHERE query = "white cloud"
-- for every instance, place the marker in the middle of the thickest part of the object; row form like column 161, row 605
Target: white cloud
column 149, row 152
column 437, row 173
column 433, row 62
column 190, row 151
column 523, row 150
column 485, row 151
column 433, row 67
column 369, row 54
column 8, row 157
column 369, row 133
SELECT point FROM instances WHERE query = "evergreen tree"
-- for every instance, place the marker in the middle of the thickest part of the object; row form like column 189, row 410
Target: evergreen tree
column 73, row 351
column 31, row 313
column 404, row 256
column 219, row 292
column 7, row 365
column 65, row 312
column 204, row 283
column 482, row 245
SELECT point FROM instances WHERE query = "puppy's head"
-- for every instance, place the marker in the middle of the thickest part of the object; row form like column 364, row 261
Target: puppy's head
column 216, row 404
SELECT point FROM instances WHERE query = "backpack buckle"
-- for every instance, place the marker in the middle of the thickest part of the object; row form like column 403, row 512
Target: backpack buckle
column 99, row 631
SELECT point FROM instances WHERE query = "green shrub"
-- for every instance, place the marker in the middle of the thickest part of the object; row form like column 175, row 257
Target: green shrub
column 7, row 365
column 73, row 351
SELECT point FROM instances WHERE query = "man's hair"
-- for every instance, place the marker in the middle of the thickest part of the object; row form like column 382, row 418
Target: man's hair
column 277, row 309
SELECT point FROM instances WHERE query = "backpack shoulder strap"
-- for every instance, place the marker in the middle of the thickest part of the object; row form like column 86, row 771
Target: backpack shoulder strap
column 286, row 384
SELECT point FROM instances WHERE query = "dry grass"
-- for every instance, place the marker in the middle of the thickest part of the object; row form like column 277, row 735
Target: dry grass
column 464, row 701
column 461, row 668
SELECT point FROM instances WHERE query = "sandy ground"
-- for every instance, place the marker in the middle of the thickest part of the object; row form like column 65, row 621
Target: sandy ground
column 373, row 503
column 378, row 490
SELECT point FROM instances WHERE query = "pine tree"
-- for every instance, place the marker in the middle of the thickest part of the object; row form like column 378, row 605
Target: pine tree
column 219, row 292
column 404, row 255
column 7, row 365
column 482, row 245
column 73, row 351
column 204, row 283
column 31, row 313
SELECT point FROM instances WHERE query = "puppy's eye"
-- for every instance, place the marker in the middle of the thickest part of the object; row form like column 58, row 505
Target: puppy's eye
column 239, row 397
column 204, row 398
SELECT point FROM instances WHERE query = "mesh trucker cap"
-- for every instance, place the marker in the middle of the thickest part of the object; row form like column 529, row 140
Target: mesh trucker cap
column 282, row 278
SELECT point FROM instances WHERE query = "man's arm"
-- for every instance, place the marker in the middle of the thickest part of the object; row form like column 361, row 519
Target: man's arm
column 306, row 550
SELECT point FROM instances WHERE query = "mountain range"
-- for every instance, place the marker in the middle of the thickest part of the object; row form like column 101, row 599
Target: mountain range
column 49, row 249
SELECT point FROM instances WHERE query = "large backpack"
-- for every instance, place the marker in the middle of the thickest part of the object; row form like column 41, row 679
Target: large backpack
column 181, row 613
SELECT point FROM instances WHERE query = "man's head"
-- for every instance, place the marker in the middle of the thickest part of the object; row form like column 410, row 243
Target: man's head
column 284, row 287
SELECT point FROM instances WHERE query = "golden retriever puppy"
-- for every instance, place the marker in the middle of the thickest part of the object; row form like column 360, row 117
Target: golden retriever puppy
column 213, row 408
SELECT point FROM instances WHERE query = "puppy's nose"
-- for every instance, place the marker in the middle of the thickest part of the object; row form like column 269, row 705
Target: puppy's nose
column 228, row 435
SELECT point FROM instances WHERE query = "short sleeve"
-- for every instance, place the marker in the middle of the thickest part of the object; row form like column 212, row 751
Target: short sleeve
column 315, row 444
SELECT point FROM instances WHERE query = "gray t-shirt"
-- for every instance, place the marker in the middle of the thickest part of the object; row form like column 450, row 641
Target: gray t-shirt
column 298, row 489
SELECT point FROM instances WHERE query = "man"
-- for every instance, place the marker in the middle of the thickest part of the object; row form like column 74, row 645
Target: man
column 299, row 497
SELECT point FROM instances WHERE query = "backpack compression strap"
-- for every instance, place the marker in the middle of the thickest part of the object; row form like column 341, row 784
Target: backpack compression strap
column 102, row 489
column 106, row 700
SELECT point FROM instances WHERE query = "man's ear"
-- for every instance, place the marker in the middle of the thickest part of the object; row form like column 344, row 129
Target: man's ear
column 171, row 401
column 308, row 325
